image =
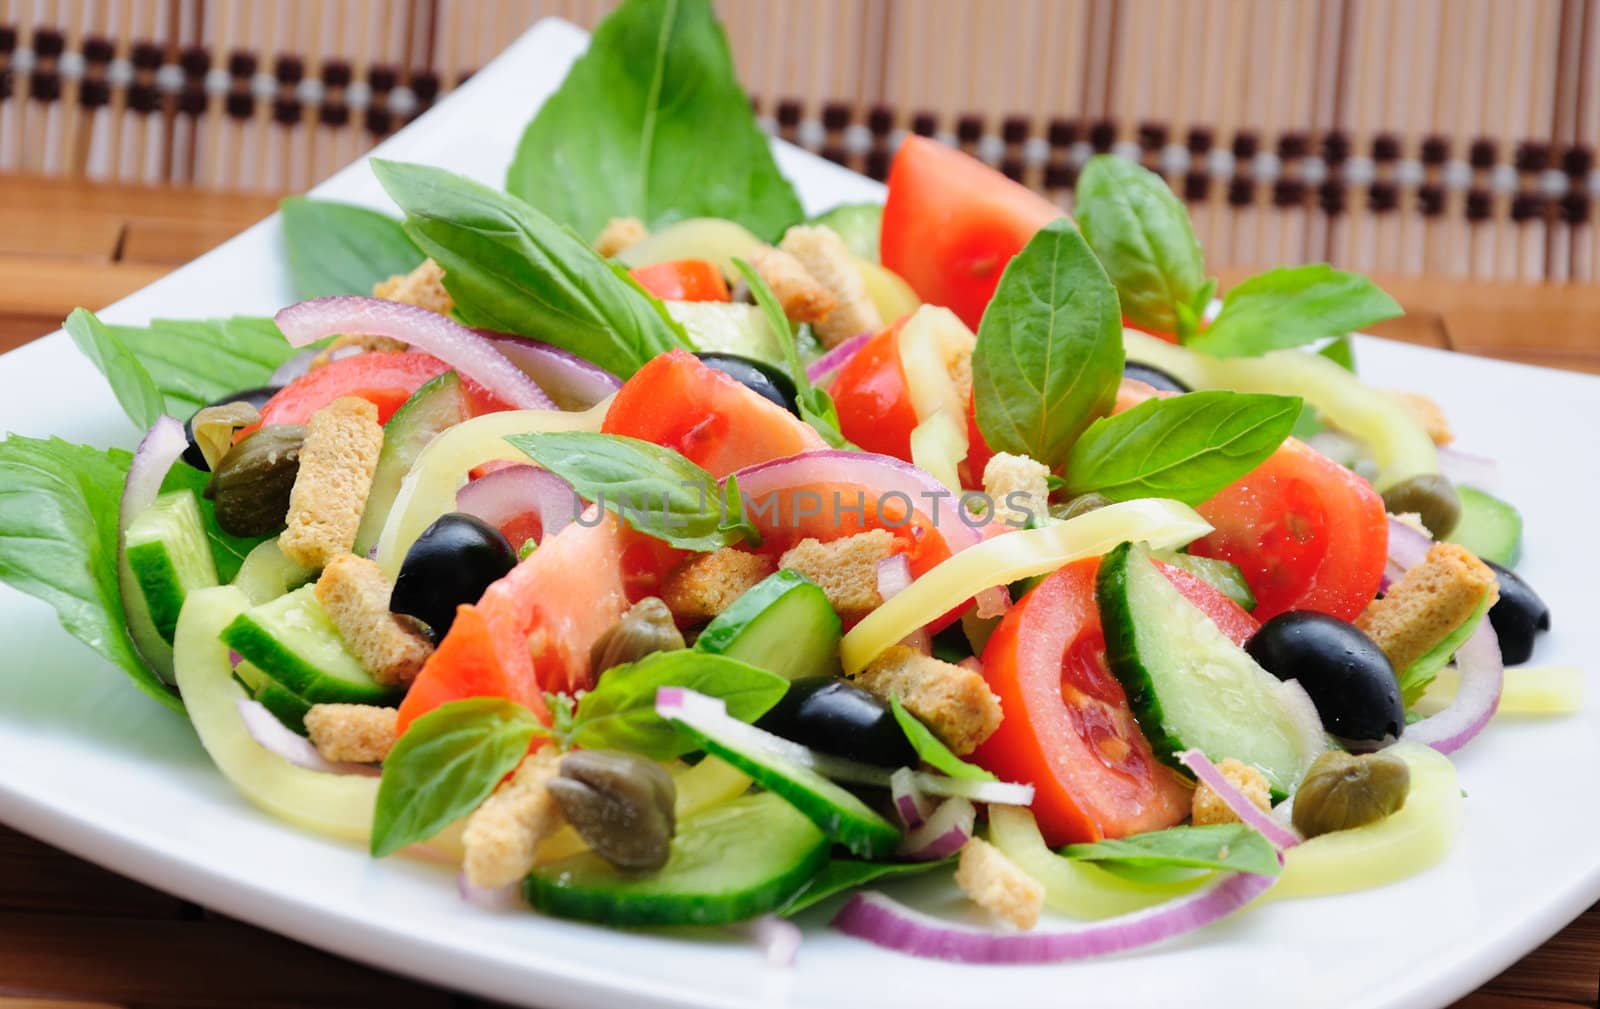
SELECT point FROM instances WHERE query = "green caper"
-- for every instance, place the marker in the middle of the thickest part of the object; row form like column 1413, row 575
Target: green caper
column 622, row 805
column 1430, row 496
column 647, row 627
column 1083, row 504
column 1343, row 791
column 251, row 484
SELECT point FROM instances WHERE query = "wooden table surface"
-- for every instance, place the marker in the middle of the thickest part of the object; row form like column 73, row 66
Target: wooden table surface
column 74, row 936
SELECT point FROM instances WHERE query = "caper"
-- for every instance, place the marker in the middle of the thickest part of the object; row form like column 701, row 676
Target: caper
column 1083, row 504
column 1343, row 791
column 622, row 805
column 646, row 628
column 1430, row 496
column 251, row 484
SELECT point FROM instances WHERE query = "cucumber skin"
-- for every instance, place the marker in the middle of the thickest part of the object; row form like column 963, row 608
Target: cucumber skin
column 256, row 644
column 723, row 635
column 1489, row 527
column 286, row 706
column 1122, row 654
column 159, row 581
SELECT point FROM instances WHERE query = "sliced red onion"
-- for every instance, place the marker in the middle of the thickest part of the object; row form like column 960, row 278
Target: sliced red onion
column 890, row 924
column 497, row 898
column 1407, row 549
column 161, row 446
column 1248, row 812
column 946, row 831
column 572, row 382
column 971, row 662
column 894, row 577
column 1466, row 468
column 515, row 491
column 471, row 355
column 993, row 601
column 909, row 800
column 275, row 737
column 778, row 937
column 1477, row 699
column 823, row 367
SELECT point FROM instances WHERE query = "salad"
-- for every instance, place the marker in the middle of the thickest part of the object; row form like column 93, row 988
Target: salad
column 656, row 555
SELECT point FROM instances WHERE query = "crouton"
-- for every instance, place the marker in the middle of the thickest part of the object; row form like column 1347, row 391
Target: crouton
column 954, row 702
column 1426, row 412
column 825, row 256
column 706, row 584
column 355, row 593
column 1017, row 486
column 996, row 884
column 1427, row 603
column 1208, row 805
column 502, row 835
column 356, row 732
column 618, row 234
column 337, row 460
column 422, row 287
column 845, row 569
column 803, row 298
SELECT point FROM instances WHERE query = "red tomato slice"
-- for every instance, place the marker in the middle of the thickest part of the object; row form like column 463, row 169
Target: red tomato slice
column 683, row 280
column 952, row 223
column 1307, row 533
column 384, row 380
column 978, row 451
column 677, row 402
column 873, row 399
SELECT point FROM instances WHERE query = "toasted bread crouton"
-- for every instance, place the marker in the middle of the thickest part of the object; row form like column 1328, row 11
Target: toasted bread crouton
column 355, row 594
column 503, row 834
column 802, row 296
column 845, row 569
column 618, row 234
column 1017, row 486
column 422, row 287
column 361, row 733
column 827, row 259
column 337, row 460
column 1427, row 603
column 706, row 584
column 1425, row 411
column 954, row 702
column 998, row 885
column 1208, row 805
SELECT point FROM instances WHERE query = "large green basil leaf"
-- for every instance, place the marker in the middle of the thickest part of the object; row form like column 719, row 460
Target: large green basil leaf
column 1291, row 306
column 340, row 248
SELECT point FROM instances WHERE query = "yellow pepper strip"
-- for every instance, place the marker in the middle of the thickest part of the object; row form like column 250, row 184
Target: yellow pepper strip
column 1528, row 690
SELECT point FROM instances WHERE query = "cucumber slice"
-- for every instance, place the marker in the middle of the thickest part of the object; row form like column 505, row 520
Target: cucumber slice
column 728, row 863
column 728, row 328
column 859, row 224
column 1224, row 576
column 1192, row 687
column 437, row 405
column 170, row 557
column 1489, row 527
column 293, row 641
column 286, row 706
column 267, row 574
column 784, row 625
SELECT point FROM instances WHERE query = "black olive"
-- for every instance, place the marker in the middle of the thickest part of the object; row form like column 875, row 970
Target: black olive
column 842, row 719
column 1517, row 617
column 1348, row 677
column 451, row 563
column 1153, row 376
column 759, row 377
column 255, row 397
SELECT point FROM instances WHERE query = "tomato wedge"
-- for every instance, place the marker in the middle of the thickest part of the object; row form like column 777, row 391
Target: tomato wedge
column 683, row 280
column 873, row 399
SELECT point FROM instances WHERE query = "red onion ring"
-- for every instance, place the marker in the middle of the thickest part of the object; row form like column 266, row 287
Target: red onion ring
column 909, row 802
column 994, row 601
column 820, row 370
column 1476, row 700
column 1407, row 549
column 277, row 738
column 158, row 450
column 1248, row 812
column 943, row 834
column 569, row 380
column 894, row 577
column 498, row 898
column 1466, row 468
column 778, row 937
column 508, row 494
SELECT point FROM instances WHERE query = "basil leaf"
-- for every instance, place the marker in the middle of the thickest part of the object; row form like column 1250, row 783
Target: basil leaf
column 512, row 269
column 58, row 543
column 653, row 489
column 340, row 248
column 445, row 765
column 842, row 875
column 1291, row 306
column 1341, row 350
column 620, row 712
column 1184, row 447
column 816, row 406
column 1141, row 233
column 1414, row 679
column 1049, row 354
column 227, row 550
column 652, row 122
column 135, row 390
column 931, row 750
column 1232, row 847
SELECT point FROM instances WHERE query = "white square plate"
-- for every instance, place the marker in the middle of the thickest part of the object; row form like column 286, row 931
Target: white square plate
column 96, row 768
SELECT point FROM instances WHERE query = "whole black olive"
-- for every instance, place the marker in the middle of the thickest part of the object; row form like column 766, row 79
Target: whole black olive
column 451, row 563
column 1348, row 677
column 1151, row 375
column 1517, row 617
column 255, row 397
column 842, row 719
column 759, row 377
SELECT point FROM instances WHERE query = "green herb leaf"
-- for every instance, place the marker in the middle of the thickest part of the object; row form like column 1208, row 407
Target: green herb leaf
column 340, row 248
column 1049, row 354
column 652, row 122
column 1414, row 679
column 135, row 390
column 653, row 489
column 620, row 712
column 511, row 268
column 445, row 765
column 1185, row 447
column 1232, row 847
column 1341, row 350
column 227, row 550
column 931, row 750
column 1141, row 233
column 842, row 875
column 1291, row 306
column 816, row 406
column 58, row 543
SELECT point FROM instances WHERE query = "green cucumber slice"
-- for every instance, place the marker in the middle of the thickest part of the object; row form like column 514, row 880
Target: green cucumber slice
column 438, row 404
column 859, row 224
column 1489, row 527
column 286, row 706
column 170, row 557
column 293, row 641
column 267, row 574
column 728, row 328
column 1224, row 576
column 784, row 625
column 730, row 862
column 1190, row 686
